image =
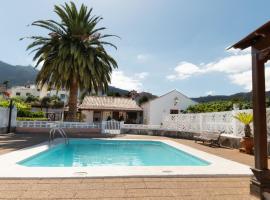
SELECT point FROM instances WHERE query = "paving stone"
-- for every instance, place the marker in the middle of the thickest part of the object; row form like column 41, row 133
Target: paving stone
column 160, row 188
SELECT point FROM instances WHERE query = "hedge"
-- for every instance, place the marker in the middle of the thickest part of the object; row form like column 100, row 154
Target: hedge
column 32, row 119
column 29, row 114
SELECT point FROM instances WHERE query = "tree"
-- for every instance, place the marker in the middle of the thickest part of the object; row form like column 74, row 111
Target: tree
column 246, row 119
column 45, row 102
column 5, row 83
column 143, row 100
column 31, row 98
column 73, row 55
column 217, row 106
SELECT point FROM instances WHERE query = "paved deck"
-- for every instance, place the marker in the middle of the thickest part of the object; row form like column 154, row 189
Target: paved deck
column 126, row 188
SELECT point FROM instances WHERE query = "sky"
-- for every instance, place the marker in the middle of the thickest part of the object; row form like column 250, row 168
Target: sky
column 164, row 45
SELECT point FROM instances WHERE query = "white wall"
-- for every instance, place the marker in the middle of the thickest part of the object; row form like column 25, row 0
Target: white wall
column 4, row 116
column 62, row 94
column 210, row 122
column 24, row 91
column 157, row 109
column 89, row 114
column 33, row 90
column 146, row 112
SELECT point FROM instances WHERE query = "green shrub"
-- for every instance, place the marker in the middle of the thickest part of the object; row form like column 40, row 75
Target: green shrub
column 31, row 99
column 28, row 113
column 32, row 119
column 217, row 106
column 20, row 105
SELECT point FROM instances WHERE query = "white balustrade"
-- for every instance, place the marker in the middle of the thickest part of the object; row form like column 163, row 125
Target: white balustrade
column 209, row 122
column 49, row 124
column 145, row 127
column 111, row 127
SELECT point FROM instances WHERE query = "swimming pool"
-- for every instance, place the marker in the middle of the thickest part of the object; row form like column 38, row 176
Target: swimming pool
column 116, row 157
column 89, row 153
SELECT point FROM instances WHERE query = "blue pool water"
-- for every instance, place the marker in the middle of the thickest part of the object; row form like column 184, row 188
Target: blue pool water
column 94, row 152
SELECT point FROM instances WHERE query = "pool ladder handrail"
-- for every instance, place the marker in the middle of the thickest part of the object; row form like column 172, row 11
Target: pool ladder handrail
column 54, row 129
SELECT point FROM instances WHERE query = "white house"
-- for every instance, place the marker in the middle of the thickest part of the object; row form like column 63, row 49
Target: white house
column 25, row 91
column 170, row 103
column 62, row 94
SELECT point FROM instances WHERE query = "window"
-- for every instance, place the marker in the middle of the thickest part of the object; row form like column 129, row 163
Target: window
column 174, row 111
column 62, row 96
column 97, row 116
column 27, row 94
column 18, row 94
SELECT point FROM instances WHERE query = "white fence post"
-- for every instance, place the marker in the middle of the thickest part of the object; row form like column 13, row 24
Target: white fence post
column 201, row 122
column 121, row 124
column 234, row 121
column 103, row 127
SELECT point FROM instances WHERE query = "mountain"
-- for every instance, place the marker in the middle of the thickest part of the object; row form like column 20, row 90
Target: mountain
column 17, row 75
column 117, row 90
column 242, row 95
column 20, row 75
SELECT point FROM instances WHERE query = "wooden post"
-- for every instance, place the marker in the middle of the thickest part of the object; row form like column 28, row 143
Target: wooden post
column 261, row 180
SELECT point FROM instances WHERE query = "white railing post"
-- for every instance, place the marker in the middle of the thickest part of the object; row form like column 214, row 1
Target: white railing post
column 121, row 124
column 103, row 126
column 234, row 121
column 201, row 122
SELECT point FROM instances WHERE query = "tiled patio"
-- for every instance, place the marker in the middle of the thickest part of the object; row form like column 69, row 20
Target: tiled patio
column 126, row 188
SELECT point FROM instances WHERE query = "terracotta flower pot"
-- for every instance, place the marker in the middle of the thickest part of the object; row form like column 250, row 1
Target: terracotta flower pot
column 247, row 144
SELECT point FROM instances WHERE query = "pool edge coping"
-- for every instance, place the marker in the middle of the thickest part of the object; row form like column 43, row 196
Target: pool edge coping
column 218, row 167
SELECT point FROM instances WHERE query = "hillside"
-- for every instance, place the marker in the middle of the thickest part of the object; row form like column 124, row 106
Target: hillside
column 17, row 75
column 21, row 75
column 242, row 95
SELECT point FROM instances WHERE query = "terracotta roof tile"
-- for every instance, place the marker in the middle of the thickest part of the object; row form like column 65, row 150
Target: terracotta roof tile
column 109, row 103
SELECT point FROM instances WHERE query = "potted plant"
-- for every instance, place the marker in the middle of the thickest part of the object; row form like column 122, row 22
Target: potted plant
column 247, row 142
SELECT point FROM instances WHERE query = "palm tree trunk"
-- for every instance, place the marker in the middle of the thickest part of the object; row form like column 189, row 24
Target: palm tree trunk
column 72, row 102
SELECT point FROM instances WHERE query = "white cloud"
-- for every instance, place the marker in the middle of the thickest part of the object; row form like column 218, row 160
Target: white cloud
column 236, row 66
column 231, row 64
column 244, row 79
column 141, row 58
column 123, row 81
column 239, row 51
column 184, row 70
column 142, row 75
column 210, row 93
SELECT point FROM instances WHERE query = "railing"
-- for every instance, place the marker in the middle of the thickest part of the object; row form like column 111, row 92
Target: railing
column 55, row 129
column 48, row 124
column 111, row 127
column 209, row 122
column 145, row 127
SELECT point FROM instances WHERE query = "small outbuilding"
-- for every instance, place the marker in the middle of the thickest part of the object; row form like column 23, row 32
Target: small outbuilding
column 102, row 108
column 173, row 102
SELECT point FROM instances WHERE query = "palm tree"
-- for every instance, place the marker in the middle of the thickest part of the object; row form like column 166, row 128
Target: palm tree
column 246, row 119
column 73, row 54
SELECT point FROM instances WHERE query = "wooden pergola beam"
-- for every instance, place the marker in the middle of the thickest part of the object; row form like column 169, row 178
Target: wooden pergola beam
column 259, row 111
column 260, row 183
column 259, row 41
